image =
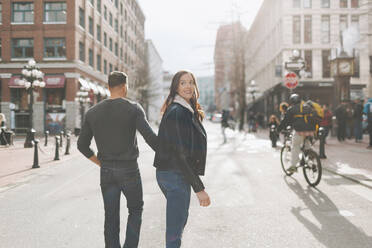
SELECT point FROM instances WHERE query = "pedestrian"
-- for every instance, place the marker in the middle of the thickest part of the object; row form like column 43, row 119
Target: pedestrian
column 358, row 121
column 251, row 118
column 283, row 109
column 113, row 123
column 326, row 122
column 341, row 117
column 3, row 140
column 224, row 123
column 368, row 111
column 349, row 121
column 273, row 124
column 181, row 156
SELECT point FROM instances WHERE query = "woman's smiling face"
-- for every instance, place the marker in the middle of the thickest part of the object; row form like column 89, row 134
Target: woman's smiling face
column 186, row 87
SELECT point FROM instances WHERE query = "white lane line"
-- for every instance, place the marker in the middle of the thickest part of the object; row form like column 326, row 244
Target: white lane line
column 64, row 185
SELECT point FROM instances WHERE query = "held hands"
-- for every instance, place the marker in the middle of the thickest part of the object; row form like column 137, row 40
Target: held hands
column 204, row 199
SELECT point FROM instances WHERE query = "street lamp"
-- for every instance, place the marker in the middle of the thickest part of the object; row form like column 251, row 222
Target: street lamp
column 82, row 96
column 253, row 89
column 32, row 80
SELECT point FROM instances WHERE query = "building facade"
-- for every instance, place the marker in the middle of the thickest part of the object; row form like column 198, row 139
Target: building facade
column 313, row 27
column 76, row 43
column 155, row 76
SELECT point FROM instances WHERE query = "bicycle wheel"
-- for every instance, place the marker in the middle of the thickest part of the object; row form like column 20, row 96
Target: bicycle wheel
column 312, row 168
column 285, row 159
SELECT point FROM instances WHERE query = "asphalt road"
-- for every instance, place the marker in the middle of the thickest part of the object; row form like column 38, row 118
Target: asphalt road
column 253, row 204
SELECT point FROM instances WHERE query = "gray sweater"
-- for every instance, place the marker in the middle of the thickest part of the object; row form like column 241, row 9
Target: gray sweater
column 113, row 124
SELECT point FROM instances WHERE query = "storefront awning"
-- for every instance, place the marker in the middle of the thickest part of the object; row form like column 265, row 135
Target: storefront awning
column 101, row 90
column 51, row 81
column 93, row 87
column 54, row 81
column 84, row 84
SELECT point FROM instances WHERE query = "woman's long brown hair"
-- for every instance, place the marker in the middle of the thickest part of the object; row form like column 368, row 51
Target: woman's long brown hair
column 173, row 91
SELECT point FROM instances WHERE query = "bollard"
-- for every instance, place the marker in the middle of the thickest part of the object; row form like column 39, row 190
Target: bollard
column 56, row 157
column 322, row 138
column 61, row 138
column 68, row 144
column 46, row 138
column 36, row 154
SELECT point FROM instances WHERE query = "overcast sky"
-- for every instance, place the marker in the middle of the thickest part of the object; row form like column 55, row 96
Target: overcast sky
column 184, row 31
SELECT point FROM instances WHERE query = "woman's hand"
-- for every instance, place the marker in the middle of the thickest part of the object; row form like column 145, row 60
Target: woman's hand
column 204, row 199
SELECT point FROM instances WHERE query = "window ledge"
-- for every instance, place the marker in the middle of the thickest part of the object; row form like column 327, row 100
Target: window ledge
column 21, row 23
column 55, row 59
column 21, row 59
column 54, row 22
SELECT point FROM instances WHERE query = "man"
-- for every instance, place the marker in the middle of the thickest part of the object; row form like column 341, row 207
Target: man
column 341, row 117
column 113, row 123
column 224, row 123
column 295, row 117
column 326, row 122
column 358, row 121
column 368, row 111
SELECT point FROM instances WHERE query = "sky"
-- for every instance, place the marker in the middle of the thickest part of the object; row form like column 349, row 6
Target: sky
column 184, row 31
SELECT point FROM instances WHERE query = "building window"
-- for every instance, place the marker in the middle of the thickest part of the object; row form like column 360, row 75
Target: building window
column 343, row 3
column 355, row 22
column 325, row 4
column 98, row 32
column 110, row 19
column 105, row 67
column 110, row 44
column 99, row 6
column 116, row 49
column 0, row 49
column 55, row 12
column 105, row 39
column 325, row 30
column 81, row 17
column 82, row 51
column 356, row 63
column 110, row 68
column 1, row 17
column 116, row 3
column 307, row 4
column 343, row 23
column 105, row 12
column 54, row 48
column 125, row 36
column 309, row 62
column 23, row 13
column 296, row 29
column 326, row 63
column 22, row 48
column 121, row 52
column 121, row 8
column 116, row 25
column 121, row 31
column 99, row 62
column 126, row 58
column 91, row 60
column 308, row 29
column 91, row 2
column 91, row 26
column 125, row 15
column 355, row 3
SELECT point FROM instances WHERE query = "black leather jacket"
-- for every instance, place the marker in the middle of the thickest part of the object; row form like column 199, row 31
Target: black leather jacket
column 182, row 145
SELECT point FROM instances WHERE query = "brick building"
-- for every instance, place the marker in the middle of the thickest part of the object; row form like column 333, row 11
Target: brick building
column 75, row 43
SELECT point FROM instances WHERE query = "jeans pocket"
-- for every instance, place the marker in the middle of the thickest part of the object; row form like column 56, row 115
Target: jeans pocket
column 105, row 176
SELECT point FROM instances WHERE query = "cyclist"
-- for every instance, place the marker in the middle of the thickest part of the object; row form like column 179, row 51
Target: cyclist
column 296, row 118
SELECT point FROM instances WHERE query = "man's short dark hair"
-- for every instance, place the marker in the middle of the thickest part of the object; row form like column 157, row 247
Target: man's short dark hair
column 116, row 78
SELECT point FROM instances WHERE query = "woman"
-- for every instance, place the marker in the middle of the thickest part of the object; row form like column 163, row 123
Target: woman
column 181, row 154
column 273, row 124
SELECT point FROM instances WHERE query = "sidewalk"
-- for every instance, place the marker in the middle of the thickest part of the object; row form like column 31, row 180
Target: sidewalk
column 348, row 159
column 16, row 160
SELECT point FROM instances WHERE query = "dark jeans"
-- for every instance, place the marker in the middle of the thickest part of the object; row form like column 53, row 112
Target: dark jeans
column 341, row 130
column 116, row 178
column 358, row 130
column 177, row 192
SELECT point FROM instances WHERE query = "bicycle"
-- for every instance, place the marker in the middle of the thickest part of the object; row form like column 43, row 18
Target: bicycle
column 310, row 162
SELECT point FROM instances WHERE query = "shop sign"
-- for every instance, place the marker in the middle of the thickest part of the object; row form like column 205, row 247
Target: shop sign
column 55, row 81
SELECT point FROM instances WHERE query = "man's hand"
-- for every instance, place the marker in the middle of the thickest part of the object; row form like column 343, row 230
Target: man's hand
column 95, row 160
column 204, row 199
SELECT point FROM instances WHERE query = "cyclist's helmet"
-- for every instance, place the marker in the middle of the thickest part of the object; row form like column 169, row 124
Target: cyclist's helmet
column 294, row 99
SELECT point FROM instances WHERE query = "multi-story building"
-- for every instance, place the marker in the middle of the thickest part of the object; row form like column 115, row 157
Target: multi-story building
column 75, row 43
column 155, row 76
column 313, row 27
column 206, row 91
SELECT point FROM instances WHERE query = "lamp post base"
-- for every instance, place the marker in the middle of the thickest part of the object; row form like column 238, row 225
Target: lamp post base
column 30, row 138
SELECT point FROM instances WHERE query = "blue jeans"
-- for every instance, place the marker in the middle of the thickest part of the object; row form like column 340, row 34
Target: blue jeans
column 117, row 179
column 177, row 192
column 358, row 130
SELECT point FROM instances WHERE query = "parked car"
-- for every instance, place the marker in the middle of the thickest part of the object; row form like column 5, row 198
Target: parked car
column 216, row 117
